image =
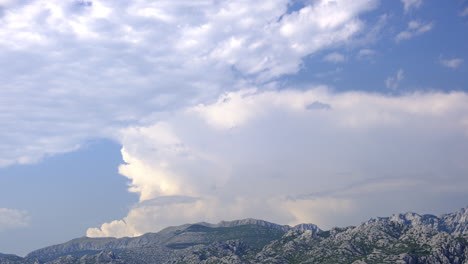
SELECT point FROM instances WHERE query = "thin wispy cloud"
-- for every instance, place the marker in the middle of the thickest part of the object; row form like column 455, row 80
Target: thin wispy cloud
column 366, row 53
column 393, row 82
column 330, row 73
column 452, row 63
column 415, row 28
column 408, row 5
column 464, row 12
column 335, row 57
column 13, row 218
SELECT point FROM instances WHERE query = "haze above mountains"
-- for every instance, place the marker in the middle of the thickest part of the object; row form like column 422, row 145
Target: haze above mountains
column 402, row 238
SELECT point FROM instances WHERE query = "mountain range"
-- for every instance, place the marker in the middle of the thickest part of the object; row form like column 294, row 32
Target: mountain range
column 402, row 238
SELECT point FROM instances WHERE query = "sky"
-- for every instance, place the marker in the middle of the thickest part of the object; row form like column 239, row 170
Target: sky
column 123, row 117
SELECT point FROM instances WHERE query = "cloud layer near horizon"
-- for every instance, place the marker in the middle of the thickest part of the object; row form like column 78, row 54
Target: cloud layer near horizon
column 83, row 69
column 294, row 156
column 13, row 218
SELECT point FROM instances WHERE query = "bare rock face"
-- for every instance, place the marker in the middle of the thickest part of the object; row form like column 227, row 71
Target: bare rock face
column 407, row 238
column 456, row 223
column 403, row 238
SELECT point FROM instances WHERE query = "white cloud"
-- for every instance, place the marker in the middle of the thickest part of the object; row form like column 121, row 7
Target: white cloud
column 366, row 53
column 12, row 218
column 410, row 4
column 155, row 70
column 335, row 57
column 451, row 63
column 415, row 28
column 79, row 71
column 295, row 156
column 393, row 82
column 4, row 3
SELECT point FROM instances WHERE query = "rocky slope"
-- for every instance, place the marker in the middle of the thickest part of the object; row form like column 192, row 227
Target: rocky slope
column 402, row 238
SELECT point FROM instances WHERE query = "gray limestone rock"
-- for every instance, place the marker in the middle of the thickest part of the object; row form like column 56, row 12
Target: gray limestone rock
column 407, row 238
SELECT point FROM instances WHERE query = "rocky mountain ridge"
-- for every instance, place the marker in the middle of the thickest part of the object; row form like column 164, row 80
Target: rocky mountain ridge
column 401, row 238
column 165, row 236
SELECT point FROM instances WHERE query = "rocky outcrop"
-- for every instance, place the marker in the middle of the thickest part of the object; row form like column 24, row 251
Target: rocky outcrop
column 407, row 238
column 403, row 238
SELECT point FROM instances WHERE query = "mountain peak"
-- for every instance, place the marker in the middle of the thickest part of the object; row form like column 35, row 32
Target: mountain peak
column 401, row 238
column 252, row 221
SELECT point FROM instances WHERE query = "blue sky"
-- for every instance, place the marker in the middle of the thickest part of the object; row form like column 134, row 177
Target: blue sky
column 120, row 118
column 80, row 187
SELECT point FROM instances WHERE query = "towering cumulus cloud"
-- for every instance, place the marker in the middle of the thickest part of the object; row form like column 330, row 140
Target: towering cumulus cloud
column 197, row 93
column 291, row 156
